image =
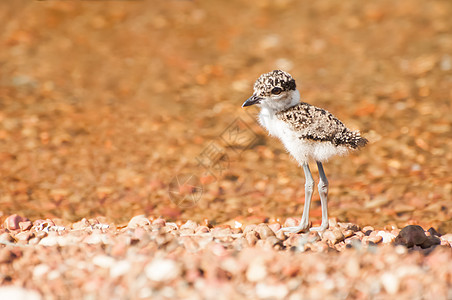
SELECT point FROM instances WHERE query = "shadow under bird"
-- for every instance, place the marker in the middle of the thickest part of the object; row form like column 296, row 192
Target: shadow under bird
column 309, row 134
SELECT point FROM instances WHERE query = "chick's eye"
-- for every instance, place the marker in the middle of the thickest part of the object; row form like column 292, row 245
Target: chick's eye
column 276, row 91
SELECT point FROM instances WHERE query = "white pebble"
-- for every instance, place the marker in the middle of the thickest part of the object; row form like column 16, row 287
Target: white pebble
column 18, row 293
column 390, row 282
column 266, row 291
column 138, row 221
column 256, row 271
column 120, row 268
column 162, row 270
column 40, row 270
column 387, row 236
column 49, row 241
column 103, row 261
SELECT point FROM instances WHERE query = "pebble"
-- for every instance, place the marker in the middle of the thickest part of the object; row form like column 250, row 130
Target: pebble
column 264, row 231
column 24, row 236
column 291, row 222
column 104, row 261
column 25, row 225
column 202, row 229
column 411, row 235
column 6, row 238
column 333, row 235
column 249, row 228
column 12, row 222
column 373, row 239
column 271, row 291
column 275, row 227
column 189, row 224
column 49, row 241
column 256, row 271
column 390, row 282
column 348, row 233
column 82, row 224
column 120, row 268
column 386, row 236
column 97, row 238
column 19, row 293
column 40, row 270
column 159, row 222
column 162, row 270
column 190, row 244
column 138, row 221
column 252, row 238
column 6, row 256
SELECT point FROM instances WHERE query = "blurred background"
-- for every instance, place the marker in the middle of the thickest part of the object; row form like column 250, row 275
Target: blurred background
column 108, row 107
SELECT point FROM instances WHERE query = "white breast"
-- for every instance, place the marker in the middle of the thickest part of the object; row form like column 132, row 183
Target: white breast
column 301, row 149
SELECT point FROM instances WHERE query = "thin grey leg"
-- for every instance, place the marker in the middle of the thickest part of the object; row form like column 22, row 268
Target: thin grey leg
column 309, row 189
column 323, row 192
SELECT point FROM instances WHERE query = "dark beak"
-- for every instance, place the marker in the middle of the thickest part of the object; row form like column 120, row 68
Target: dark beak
column 252, row 100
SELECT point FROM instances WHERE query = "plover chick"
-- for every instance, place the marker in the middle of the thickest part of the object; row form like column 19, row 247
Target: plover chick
column 309, row 134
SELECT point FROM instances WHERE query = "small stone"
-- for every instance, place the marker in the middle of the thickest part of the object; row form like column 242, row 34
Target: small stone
column 159, row 222
column 264, row 231
column 375, row 239
column 96, row 238
column 271, row 291
column 40, row 270
column 25, row 225
column 162, row 270
column 256, row 270
column 249, row 228
column 349, row 226
column 447, row 238
column 189, row 224
column 321, row 247
column 138, row 221
column 15, row 292
column 202, row 229
column 120, row 268
column 82, row 224
column 274, row 242
column 6, row 256
column 218, row 249
column 430, row 241
column 390, row 283
column 333, row 235
column 49, row 241
column 367, row 230
column 291, row 222
column 293, row 240
column 103, row 261
column 190, row 244
column 348, row 233
column 12, row 222
column 221, row 232
column 6, row 238
column 281, row 235
column 252, row 238
column 433, row 232
column 387, row 236
column 240, row 244
column 275, row 227
column 24, row 236
column 186, row 231
column 411, row 235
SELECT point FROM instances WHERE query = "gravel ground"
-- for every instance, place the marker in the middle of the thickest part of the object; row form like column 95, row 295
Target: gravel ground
column 106, row 106
column 152, row 258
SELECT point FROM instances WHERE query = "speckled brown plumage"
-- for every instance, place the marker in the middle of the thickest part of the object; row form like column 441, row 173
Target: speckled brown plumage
column 313, row 123
column 277, row 78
